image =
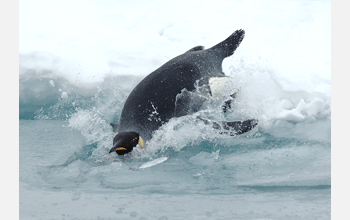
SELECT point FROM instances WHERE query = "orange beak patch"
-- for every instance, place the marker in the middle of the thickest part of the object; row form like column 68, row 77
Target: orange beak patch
column 120, row 148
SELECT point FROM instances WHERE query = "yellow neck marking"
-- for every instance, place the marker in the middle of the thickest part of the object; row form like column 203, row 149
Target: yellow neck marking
column 141, row 142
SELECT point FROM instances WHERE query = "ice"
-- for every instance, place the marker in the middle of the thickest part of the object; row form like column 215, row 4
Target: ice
column 315, row 106
column 78, row 62
column 303, row 110
column 153, row 162
column 115, row 41
column 64, row 95
column 52, row 83
column 204, row 158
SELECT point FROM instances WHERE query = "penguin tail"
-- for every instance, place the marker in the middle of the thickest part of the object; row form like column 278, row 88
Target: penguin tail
column 227, row 47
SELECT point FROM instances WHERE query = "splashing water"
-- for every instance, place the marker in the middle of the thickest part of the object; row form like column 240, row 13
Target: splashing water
column 75, row 79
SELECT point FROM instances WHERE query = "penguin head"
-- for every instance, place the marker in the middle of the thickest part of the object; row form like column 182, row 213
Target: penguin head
column 124, row 142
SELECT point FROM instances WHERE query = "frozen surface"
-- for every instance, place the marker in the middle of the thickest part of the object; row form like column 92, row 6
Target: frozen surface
column 59, row 179
column 79, row 60
column 153, row 162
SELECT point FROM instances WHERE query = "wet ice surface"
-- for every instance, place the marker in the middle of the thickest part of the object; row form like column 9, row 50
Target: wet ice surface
column 76, row 71
column 206, row 181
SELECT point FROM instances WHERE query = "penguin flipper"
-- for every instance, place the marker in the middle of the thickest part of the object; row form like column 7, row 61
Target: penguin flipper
column 188, row 103
column 227, row 103
column 232, row 128
column 114, row 126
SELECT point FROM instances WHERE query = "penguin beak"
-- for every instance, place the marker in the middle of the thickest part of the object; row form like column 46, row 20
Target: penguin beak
column 117, row 149
column 120, row 150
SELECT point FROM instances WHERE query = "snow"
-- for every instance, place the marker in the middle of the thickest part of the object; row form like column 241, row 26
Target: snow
column 78, row 61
